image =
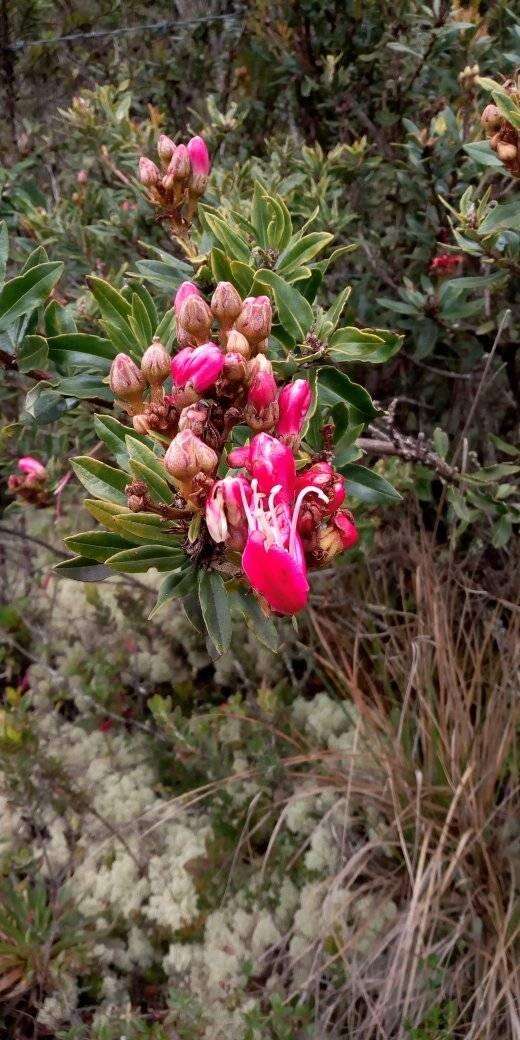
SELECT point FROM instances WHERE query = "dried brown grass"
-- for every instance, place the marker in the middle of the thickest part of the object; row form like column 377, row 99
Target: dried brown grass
column 434, row 677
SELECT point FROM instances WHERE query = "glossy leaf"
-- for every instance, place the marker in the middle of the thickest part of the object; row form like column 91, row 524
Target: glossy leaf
column 367, row 485
column 101, row 480
column 142, row 558
column 214, row 602
column 23, row 294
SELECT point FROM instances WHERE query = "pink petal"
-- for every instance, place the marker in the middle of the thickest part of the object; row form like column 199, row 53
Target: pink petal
column 276, row 575
column 28, row 464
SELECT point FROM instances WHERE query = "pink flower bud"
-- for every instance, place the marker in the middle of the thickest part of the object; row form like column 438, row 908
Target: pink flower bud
column 294, row 401
column 262, row 390
column 199, row 156
column 194, row 417
column 180, row 167
column 327, row 481
column 200, row 367
column 235, row 367
column 226, row 304
column 155, row 364
column 126, row 380
column 187, row 455
column 238, row 344
column 195, row 317
column 336, row 535
column 29, row 465
column 269, row 462
column 82, row 177
column 149, row 174
column 165, row 148
column 255, row 318
column 185, row 290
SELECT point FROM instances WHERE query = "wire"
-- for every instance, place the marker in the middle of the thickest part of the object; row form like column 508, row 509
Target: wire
column 19, row 45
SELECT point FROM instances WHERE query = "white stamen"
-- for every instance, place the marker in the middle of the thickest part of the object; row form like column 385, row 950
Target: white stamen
column 274, row 518
column 297, row 508
column 251, row 523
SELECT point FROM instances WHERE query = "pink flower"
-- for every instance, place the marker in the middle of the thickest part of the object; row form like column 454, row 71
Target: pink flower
column 199, row 156
column 184, row 290
column 262, row 391
column 269, row 462
column 323, row 476
column 31, row 466
column 199, row 367
column 225, row 516
column 294, row 401
column 273, row 559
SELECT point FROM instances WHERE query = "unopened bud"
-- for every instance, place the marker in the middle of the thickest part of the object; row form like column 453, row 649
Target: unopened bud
column 254, row 320
column 194, row 417
column 337, row 535
column 149, row 174
column 199, row 156
column 238, row 344
column 507, row 152
column 195, row 318
column 187, row 455
column 179, row 167
column 140, row 423
column 235, row 367
column 126, row 380
column 185, row 290
column 262, row 389
column 165, row 148
column 155, row 364
column 226, row 304
column 491, row 117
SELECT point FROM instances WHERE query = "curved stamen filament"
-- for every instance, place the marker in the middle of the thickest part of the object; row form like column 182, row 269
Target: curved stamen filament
column 297, row 508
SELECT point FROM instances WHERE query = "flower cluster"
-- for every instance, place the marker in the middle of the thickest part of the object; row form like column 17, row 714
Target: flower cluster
column 283, row 514
column 177, row 185
column 31, row 483
column 503, row 137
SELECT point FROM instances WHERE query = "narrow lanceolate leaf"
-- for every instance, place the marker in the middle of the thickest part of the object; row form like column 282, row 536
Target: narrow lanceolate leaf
column 101, row 480
column 233, row 243
column 82, row 569
column 175, row 586
column 338, row 387
column 33, row 353
column 158, row 487
column 142, row 558
column 23, row 294
column 263, row 627
column 302, row 250
column 145, row 528
column 138, row 449
column 97, row 545
column 113, row 434
column 367, row 485
column 294, row 311
column 214, row 602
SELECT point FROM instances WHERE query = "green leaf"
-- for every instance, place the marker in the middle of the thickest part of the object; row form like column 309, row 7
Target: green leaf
column 503, row 216
column 142, row 292
column 175, row 586
column 165, row 331
column 32, row 354
column 140, row 322
column 502, row 532
column 482, row 153
column 233, row 243
column 101, row 480
column 220, row 265
column 157, row 485
column 23, row 294
column 142, row 558
column 301, row 250
column 351, row 344
column 96, row 545
column 82, row 569
column 367, row 485
column 111, row 303
column 144, row 528
column 336, row 309
column 441, row 442
column 242, row 276
column 113, row 434
column 214, row 603
column 45, row 405
column 294, row 312
column 339, row 387
column 85, row 386
column 263, row 626
column 58, row 320
column 260, row 215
